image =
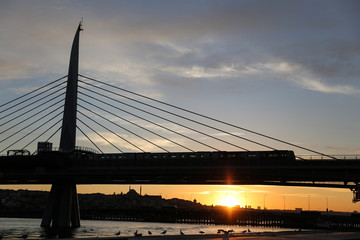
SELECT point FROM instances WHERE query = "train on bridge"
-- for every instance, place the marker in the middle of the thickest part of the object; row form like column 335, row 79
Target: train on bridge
column 199, row 158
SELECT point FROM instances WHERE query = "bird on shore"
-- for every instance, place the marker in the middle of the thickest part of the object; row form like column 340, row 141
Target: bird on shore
column 25, row 236
column 118, row 233
column 244, row 231
column 149, row 232
column 249, row 230
column 220, row 230
column 164, row 232
column 136, row 234
column 181, row 232
column 201, row 232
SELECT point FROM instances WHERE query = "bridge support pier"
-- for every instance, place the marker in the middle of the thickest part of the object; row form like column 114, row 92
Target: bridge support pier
column 63, row 207
column 356, row 193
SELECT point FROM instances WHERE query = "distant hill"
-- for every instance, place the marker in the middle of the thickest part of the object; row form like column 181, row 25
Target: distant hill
column 25, row 200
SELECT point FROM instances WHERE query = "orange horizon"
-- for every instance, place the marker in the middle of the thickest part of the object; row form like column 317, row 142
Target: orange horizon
column 256, row 197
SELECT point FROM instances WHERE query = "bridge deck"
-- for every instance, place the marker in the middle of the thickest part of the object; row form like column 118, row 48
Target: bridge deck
column 212, row 168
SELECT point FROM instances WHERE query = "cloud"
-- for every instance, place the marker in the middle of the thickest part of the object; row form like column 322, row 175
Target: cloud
column 181, row 42
column 302, row 76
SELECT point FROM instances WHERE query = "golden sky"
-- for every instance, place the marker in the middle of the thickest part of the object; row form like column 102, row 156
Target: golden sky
column 254, row 196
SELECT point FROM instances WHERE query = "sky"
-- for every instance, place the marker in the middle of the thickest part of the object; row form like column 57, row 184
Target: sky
column 287, row 69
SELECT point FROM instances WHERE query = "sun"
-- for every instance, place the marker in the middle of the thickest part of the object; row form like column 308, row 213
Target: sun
column 229, row 201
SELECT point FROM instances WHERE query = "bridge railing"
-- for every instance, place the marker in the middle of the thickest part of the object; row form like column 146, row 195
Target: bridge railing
column 77, row 148
column 330, row 157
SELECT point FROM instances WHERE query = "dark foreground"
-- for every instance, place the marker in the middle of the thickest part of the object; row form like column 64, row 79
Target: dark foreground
column 322, row 235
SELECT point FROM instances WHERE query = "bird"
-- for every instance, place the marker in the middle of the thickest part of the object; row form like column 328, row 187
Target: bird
column 164, row 232
column 201, row 232
column 149, row 232
column 244, row 231
column 181, row 232
column 25, row 236
column 118, row 233
column 249, row 230
column 136, row 234
column 220, row 230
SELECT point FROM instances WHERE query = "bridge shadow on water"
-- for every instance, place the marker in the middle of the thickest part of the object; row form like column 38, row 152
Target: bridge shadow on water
column 51, row 233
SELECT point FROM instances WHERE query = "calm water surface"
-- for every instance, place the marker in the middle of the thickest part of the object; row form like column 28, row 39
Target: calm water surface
column 14, row 228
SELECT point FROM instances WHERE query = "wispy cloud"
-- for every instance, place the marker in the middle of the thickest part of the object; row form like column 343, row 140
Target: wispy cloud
column 301, row 76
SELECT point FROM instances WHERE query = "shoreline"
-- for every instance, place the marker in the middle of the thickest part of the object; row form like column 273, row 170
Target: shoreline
column 286, row 235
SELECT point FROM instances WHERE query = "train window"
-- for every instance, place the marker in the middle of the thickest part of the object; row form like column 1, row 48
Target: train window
column 273, row 155
column 192, row 156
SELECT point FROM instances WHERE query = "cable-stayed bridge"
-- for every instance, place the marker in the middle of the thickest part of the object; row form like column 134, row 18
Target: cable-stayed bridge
column 146, row 141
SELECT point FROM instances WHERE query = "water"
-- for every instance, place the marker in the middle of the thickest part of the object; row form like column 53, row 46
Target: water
column 14, row 228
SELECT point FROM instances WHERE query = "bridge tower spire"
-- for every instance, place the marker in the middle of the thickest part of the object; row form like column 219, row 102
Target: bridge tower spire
column 63, row 206
column 68, row 130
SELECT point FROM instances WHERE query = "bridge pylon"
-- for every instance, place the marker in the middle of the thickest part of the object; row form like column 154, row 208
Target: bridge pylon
column 62, row 210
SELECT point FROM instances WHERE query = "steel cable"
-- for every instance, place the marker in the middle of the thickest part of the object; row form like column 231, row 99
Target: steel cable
column 32, row 92
column 42, row 117
column 29, row 133
column 31, row 104
column 24, row 120
column 210, row 118
column 188, row 119
column 89, row 139
column 109, row 129
column 42, row 134
column 137, row 125
column 30, row 99
column 179, row 124
column 158, row 125
column 98, row 133
column 137, row 135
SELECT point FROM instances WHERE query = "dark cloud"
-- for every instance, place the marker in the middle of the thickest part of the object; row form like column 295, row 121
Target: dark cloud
column 335, row 61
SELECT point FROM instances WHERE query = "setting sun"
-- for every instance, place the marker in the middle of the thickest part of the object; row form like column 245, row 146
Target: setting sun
column 229, row 201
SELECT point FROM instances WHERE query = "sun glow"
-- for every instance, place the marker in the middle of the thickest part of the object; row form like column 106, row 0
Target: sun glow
column 229, row 201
